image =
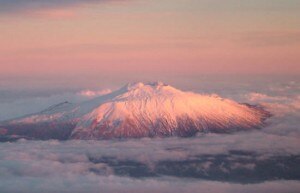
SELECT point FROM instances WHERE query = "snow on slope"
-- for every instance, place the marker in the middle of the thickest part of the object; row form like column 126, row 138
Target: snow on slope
column 150, row 110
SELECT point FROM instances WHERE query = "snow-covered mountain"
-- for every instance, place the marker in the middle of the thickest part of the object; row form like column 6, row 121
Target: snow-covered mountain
column 138, row 110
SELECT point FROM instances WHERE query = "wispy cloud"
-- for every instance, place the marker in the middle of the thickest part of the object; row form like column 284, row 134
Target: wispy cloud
column 270, row 38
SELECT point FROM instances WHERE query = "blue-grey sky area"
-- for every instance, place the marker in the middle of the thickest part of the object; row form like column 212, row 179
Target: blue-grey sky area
column 265, row 5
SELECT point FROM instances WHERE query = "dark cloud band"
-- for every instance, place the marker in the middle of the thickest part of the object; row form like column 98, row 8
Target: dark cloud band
column 15, row 6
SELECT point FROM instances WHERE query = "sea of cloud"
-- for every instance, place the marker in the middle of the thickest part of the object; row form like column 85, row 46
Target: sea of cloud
column 266, row 160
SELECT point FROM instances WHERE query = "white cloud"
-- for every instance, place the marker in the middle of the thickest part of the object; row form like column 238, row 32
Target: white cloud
column 91, row 93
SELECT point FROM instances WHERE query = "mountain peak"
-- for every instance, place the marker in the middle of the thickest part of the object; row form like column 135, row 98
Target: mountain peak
column 151, row 109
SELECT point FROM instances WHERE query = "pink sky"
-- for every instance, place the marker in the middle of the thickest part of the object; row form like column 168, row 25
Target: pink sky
column 148, row 38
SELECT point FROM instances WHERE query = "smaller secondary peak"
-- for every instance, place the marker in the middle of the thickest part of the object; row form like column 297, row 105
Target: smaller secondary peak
column 59, row 106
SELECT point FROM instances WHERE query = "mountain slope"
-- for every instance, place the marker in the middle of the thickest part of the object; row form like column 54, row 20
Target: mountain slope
column 139, row 110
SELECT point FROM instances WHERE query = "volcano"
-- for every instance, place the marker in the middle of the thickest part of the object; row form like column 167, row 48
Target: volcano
column 137, row 110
